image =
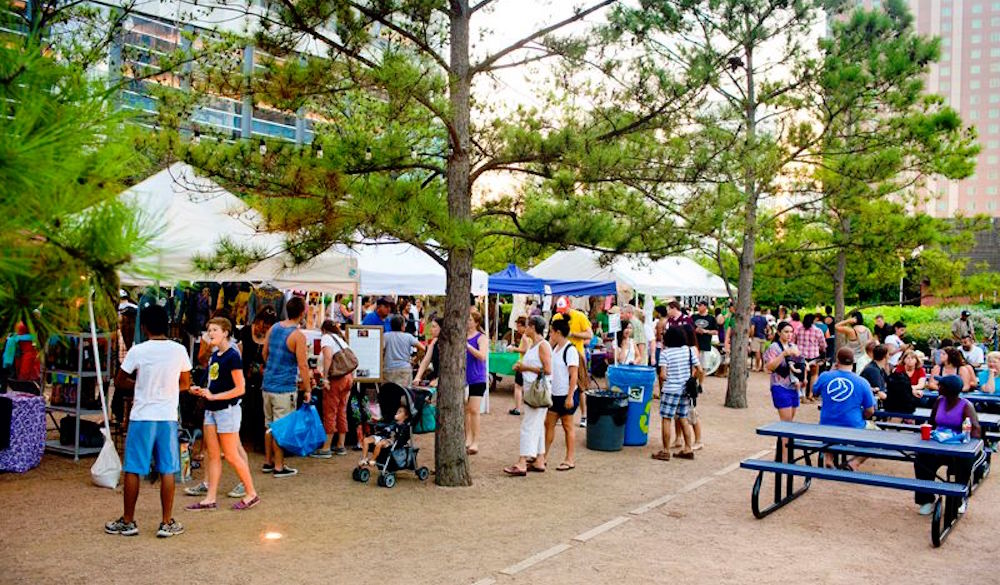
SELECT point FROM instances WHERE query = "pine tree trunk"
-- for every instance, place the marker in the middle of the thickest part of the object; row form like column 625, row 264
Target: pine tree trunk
column 451, row 461
column 736, row 393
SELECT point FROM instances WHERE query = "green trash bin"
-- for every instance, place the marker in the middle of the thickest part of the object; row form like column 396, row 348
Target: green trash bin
column 607, row 412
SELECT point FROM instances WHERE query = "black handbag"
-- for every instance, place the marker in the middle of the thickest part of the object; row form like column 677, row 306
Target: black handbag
column 692, row 388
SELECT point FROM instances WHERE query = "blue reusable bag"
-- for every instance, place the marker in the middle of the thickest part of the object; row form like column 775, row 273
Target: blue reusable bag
column 301, row 432
column 949, row 436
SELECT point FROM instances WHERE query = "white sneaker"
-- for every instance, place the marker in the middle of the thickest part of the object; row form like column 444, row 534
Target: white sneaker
column 963, row 507
column 583, row 422
column 926, row 509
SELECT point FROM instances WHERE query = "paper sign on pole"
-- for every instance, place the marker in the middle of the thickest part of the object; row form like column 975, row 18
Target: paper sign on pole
column 614, row 323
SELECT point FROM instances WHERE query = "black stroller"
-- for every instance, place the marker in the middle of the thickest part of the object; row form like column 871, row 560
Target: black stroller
column 401, row 455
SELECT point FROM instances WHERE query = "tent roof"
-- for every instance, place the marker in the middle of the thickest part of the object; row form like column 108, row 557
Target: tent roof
column 670, row 276
column 388, row 266
column 194, row 214
column 513, row 280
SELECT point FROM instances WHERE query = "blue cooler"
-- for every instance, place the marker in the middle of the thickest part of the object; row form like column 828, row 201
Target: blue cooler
column 637, row 382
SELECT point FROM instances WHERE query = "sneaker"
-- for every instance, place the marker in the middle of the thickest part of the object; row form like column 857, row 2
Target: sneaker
column 267, row 468
column 964, row 506
column 240, row 491
column 199, row 490
column 340, row 451
column 172, row 529
column 321, row 454
column 583, row 422
column 286, row 472
column 514, row 412
column 120, row 526
column 926, row 509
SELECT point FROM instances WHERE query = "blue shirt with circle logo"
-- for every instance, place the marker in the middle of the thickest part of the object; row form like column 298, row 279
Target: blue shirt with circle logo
column 845, row 396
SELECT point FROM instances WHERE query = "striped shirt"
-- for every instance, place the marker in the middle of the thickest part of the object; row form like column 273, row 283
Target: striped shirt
column 811, row 342
column 679, row 362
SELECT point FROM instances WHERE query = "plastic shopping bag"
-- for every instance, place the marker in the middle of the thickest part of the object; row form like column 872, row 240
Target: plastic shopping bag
column 301, row 432
column 949, row 436
column 108, row 467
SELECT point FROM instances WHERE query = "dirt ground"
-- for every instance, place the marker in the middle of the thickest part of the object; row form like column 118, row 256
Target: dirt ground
column 337, row 531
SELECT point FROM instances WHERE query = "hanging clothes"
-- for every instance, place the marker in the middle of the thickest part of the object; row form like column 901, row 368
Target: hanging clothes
column 267, row 296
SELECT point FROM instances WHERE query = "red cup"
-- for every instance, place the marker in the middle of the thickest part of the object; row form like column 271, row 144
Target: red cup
column 316, row 346
column 925, row 432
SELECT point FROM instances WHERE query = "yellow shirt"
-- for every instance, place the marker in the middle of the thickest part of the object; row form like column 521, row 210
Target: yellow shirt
column 578, row 323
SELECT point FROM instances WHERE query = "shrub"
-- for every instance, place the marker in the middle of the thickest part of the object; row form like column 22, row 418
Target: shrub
column 908, row 315
column 920, row 333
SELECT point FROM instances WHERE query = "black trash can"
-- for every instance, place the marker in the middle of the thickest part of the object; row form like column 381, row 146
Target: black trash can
column 607, row 412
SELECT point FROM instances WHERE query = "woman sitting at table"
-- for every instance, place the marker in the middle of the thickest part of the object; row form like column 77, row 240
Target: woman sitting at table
column 954, row 365
column 949, row 412
column 989, row 379
column 910, row 365
column 627, row 353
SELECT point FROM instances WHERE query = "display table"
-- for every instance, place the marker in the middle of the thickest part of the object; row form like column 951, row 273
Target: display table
column 27, row 432
column 502, row 362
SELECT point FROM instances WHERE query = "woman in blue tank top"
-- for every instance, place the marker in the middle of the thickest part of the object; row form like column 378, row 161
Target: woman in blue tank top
column 476, row 351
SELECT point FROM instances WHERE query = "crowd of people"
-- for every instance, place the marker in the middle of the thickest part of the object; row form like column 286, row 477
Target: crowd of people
column 246, row 380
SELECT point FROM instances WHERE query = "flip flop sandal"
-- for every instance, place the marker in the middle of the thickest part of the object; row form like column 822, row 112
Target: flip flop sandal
column 198, row 506
column 565, row 467
column 471, row 451
column 534, row 469
column 513, row 471
column 661, row 456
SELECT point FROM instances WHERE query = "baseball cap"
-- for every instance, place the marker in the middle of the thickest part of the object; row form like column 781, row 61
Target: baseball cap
column 700, row 303
column 951, row 384
column 562, row 305
column 845, row 356
column 965, row 313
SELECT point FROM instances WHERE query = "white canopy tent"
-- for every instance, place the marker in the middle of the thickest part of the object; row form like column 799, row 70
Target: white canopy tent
column 393, row 267
column 671, row 276
column 193, row 214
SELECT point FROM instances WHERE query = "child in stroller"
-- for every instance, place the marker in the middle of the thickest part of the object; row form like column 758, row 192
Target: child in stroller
column 392, row 443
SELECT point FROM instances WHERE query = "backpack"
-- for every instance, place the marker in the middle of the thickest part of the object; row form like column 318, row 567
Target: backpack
column 899, row 394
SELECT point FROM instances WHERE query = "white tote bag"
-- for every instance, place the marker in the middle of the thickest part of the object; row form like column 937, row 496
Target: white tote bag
column 108, row 468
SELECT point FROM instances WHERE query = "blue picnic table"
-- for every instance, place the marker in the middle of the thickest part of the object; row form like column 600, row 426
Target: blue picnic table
column 819, row 440
column 978, row 399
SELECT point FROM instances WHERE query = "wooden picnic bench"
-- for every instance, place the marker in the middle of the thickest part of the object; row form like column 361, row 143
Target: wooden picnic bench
column 812, row 439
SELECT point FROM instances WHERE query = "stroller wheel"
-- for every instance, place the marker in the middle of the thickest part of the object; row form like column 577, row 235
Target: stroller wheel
column 363, row 475
column 388, row 480
column 423, row 473
column 354, row 474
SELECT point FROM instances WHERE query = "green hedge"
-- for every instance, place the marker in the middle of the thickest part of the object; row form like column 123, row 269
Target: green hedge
column 908, row 315
column 920, row 333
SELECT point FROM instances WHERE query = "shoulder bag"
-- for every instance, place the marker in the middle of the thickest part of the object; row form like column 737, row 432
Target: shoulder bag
column 539, row 394
column 692, row 388
column 343, row 362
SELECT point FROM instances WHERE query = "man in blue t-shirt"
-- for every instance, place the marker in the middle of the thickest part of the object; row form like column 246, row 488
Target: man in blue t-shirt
column 378, row 317
column 847, row 397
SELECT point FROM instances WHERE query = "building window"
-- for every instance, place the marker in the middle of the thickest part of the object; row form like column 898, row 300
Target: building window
column 977, row 8
column 945, row 27
column 992, row 159
column 991, row 205
column 971, row 206
column 974, row 84
column 945, row 71
column 946, row 10
column 995, row 21
column 974, row 69
column 995, row 52
column 975, row 53
column 970, row 191
column 995, row 38
column 945, row 86
column 994, row 67
column 993, row 175
column 974, row 99
column 977, row 23
column 975, row 39
column 945, row 57
column 995, row 82
column 995, row 6
column 993, row 129
column 974, row 115
column 942, row 206
column 993, row 144
column 994, row 113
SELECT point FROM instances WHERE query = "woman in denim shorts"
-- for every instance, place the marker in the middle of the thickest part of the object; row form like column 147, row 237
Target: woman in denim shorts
column 223, row 415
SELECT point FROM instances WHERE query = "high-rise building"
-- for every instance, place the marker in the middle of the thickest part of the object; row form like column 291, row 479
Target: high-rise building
column 968, row 77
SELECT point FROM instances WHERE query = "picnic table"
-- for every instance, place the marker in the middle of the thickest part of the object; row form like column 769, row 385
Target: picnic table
column 824, row 440
column 920, row 415
column 978, row 399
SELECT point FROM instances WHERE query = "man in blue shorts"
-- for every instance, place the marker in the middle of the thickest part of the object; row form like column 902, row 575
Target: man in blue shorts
column 159, row 369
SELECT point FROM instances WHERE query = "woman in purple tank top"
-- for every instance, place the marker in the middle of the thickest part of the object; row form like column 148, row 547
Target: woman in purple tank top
column 949, row 411
column 476, row 351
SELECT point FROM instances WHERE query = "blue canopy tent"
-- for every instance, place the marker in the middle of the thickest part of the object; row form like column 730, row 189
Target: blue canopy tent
column 513, row 280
